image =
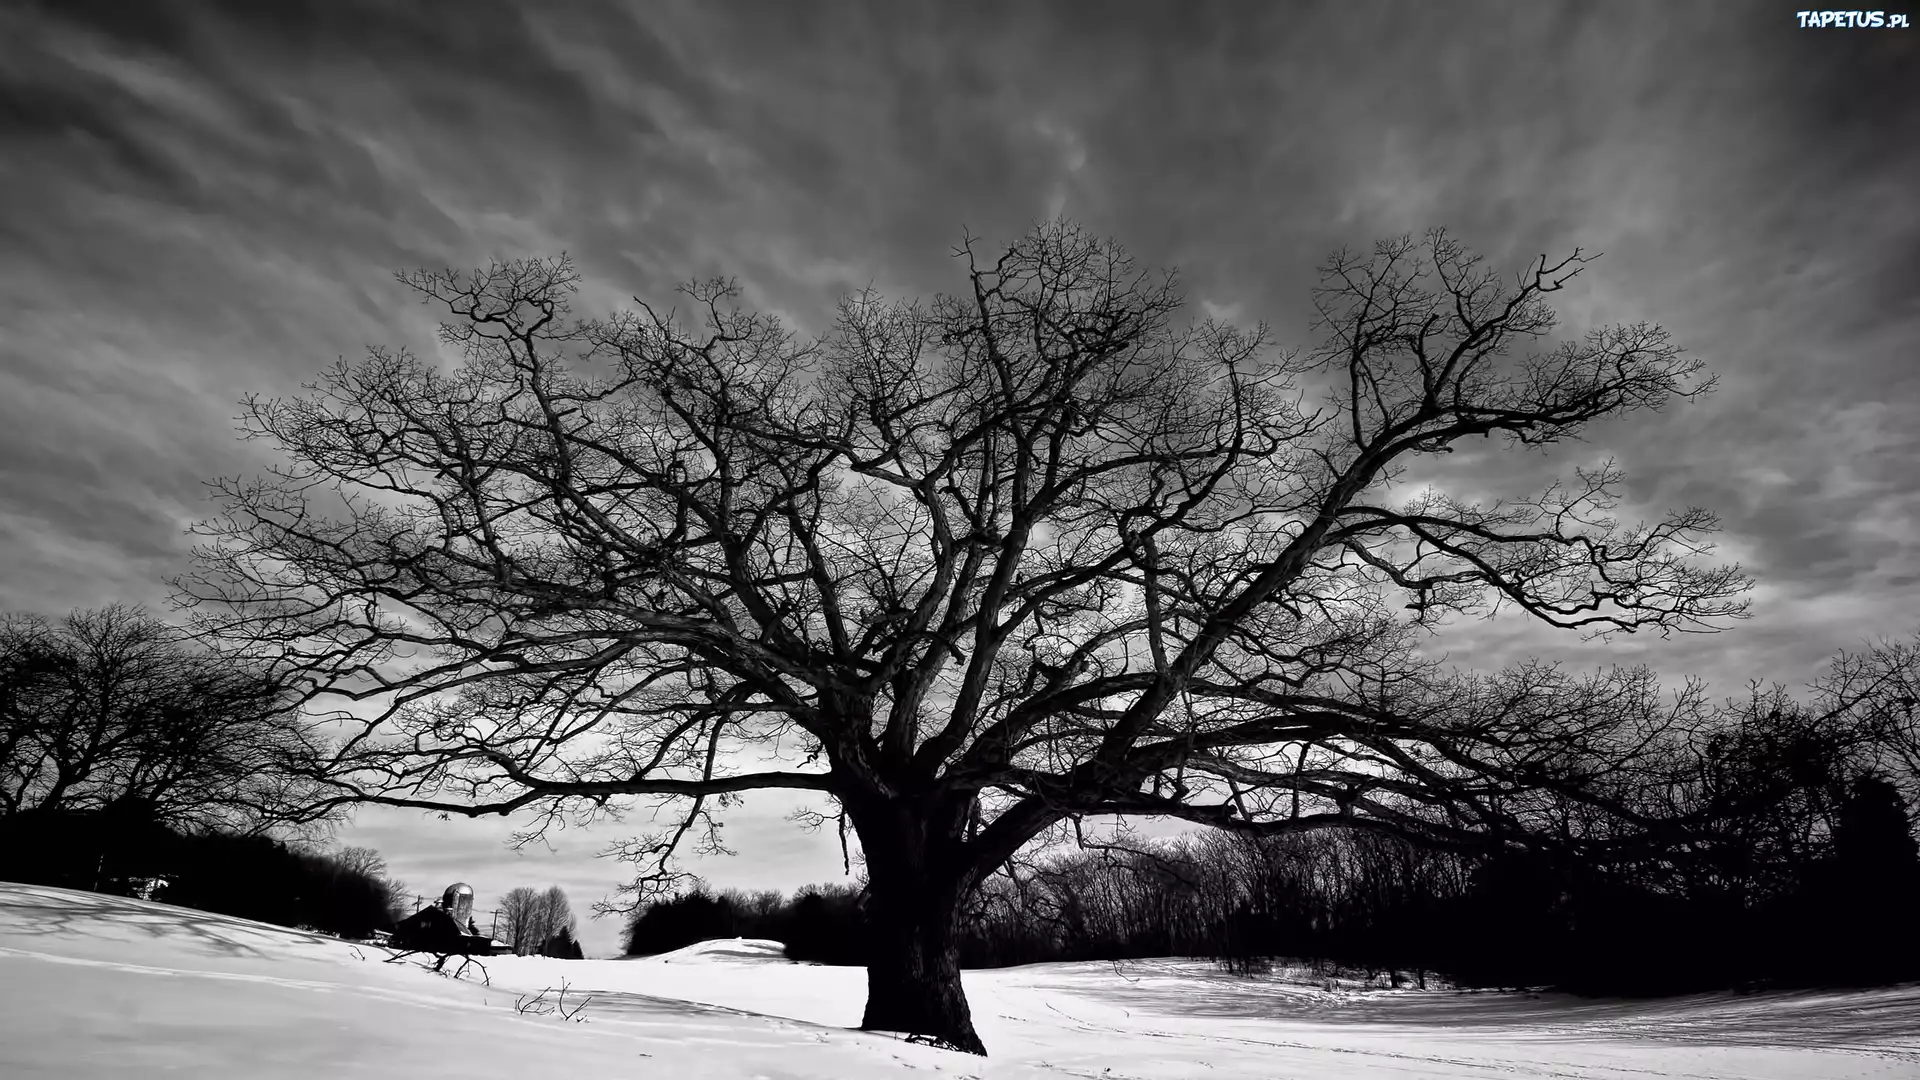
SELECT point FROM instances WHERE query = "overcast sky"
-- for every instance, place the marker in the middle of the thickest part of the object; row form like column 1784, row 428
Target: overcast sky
column 200, row 199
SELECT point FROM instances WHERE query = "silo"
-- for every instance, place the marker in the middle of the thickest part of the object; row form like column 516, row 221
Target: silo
column 458, row 900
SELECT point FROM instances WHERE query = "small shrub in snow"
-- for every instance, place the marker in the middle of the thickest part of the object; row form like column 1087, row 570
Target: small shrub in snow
column 538, row 1005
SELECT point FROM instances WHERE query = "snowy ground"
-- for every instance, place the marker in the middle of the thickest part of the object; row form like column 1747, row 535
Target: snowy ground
column 96, row 986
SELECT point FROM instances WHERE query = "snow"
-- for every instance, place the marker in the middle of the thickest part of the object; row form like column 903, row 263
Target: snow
column 98, row 986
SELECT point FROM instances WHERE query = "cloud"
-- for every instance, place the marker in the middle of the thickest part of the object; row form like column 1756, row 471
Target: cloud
column 206, row 199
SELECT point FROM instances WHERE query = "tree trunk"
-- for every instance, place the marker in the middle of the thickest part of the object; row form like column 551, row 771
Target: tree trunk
column 913, row 963
column 918, row 874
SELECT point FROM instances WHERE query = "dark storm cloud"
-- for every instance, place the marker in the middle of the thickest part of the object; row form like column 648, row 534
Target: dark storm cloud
column 205, row 199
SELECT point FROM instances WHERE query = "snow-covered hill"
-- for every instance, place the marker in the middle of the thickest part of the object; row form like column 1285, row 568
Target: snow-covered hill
column 95, row 986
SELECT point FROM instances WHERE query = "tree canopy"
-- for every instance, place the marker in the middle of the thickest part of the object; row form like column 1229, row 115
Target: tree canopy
column 969, row 568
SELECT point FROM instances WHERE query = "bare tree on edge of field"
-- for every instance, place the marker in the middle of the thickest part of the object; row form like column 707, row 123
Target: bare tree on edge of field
column 112, row 709
column 531, row 917
column 968, row 569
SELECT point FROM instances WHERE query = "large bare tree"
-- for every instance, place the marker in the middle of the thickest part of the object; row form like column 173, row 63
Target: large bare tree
column 967, row 569
column 531, row 918
column 521, row 913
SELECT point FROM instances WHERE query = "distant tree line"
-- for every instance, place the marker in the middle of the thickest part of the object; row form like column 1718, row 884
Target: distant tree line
column 1346, row 899
column 249, row 876
column 1778, row 849
column 818, row 924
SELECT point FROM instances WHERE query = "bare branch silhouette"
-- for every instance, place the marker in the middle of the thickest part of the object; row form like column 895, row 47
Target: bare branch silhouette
column 969, row 568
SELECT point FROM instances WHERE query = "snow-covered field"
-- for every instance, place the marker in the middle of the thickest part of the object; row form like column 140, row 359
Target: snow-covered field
column 97, row 986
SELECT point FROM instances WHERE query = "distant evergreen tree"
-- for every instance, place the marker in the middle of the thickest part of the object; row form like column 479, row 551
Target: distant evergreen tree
column 562, row 946
column 1875, row 832
column 694, row 916
column 1872, row 883
column 825, row 925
